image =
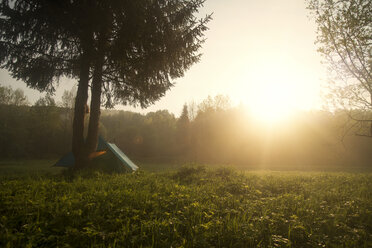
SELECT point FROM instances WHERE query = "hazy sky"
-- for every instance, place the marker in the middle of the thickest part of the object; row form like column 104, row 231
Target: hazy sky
column 260, row 53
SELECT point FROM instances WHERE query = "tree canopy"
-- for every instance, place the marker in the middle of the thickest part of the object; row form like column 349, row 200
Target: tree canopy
column 142, row 45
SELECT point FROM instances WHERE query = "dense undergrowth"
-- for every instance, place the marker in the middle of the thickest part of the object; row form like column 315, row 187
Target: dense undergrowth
column 192, row 207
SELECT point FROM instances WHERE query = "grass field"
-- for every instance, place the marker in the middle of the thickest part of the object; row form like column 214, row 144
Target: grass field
column 193, row 206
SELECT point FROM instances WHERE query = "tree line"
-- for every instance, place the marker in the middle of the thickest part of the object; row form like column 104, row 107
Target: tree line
column 208, row 132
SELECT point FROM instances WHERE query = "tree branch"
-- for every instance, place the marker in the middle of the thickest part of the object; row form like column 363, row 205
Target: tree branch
column 341, row 56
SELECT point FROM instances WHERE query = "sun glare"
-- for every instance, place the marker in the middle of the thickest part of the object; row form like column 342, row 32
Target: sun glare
column 274, row 98
column 272, row 102
column 272, row 92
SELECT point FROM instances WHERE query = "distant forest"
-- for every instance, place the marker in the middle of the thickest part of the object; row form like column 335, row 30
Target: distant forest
column 209, row 132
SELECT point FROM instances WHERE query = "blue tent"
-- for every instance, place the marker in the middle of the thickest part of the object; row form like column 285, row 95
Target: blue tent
column 107, row 154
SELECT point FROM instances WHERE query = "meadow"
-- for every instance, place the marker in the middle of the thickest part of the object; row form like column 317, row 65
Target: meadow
column 190, row 206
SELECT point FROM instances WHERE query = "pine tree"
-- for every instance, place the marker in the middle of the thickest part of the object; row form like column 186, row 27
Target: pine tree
column 128, row 52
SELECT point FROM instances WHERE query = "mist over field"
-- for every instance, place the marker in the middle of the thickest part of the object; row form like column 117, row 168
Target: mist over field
column 212, row 132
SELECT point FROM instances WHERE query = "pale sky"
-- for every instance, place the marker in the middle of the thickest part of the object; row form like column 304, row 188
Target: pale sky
column 260, row 53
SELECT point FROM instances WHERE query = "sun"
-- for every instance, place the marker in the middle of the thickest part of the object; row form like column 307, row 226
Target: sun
column 272, row 102
column 273, row 92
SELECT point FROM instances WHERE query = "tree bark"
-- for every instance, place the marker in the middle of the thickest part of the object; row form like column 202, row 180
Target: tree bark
column 95, row 107
column 370, row 130
column 78, row 143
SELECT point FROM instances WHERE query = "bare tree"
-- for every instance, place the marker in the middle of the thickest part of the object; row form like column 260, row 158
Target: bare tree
column 344, row 37
column 8, row 96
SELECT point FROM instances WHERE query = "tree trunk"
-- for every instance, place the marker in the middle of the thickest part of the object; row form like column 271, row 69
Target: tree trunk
column 95, row 104
column 78, row 143
column 95, row 107
column 370, row 130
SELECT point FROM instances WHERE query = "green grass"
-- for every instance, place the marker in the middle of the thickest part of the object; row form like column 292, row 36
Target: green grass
column 25, row 168
column 193, row 206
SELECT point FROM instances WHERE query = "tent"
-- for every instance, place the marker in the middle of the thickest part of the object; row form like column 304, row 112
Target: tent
column 107, row 156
